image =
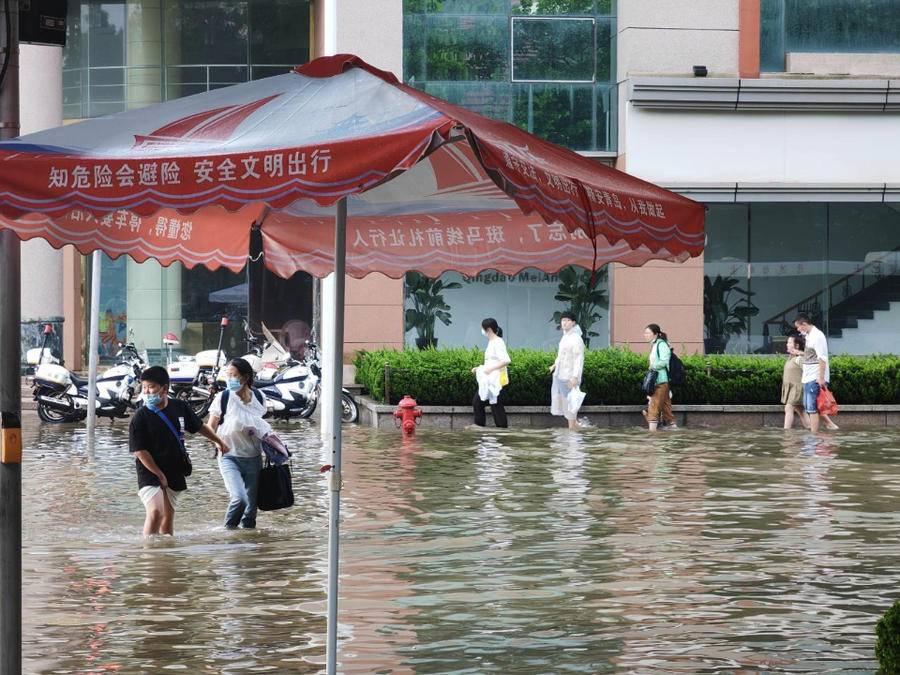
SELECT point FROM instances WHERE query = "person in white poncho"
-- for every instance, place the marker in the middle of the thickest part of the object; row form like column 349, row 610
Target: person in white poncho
column 566, row 396
column 237, row 416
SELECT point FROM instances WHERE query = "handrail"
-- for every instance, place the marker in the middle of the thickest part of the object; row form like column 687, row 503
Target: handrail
column 206, row 81
column 779, row 318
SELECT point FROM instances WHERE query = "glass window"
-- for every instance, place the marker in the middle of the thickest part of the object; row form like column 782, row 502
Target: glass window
column 827, row 26
column 863, row 292
column 207, row 296
column 481, row 53
column 493, row 99
column 545, row 7
column 106, row 45
column 839, row 262
column 523, row 304
column 456, row 6
column 562, row 114
column 274, row 29
column 726, row 283
column 466, row 48
column 207, row 31
column 788, row 254
column 553, row 50
column 113, row 314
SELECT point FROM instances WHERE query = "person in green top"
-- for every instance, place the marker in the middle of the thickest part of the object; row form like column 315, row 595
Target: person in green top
column 660, row 404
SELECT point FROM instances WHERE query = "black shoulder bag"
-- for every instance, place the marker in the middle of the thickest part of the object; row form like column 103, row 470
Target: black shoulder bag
column 648, row 386
column 187, row 468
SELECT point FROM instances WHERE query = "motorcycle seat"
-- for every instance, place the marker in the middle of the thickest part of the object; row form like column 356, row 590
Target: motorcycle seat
column 262, row 383
column 78, row 381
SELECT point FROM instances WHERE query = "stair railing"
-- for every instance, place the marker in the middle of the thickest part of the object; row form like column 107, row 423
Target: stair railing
column 864, row 276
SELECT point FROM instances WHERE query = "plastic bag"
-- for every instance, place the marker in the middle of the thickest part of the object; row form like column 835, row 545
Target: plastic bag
column 575, row 398
column 648, row 386
column 826, row 403
column 244, row 418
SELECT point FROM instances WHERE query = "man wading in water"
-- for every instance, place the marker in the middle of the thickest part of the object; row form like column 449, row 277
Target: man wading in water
column 156, row 438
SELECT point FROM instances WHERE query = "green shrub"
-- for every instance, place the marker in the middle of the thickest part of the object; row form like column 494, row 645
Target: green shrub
column 887, row 644
column 613, row 377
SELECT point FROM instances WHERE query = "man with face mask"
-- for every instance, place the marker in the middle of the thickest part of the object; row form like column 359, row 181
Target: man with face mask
column 156, row 438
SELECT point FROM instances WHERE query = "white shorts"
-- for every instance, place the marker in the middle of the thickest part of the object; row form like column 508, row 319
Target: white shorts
column 148, row 492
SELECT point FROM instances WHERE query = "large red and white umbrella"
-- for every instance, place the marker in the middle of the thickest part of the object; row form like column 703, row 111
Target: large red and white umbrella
column 429, row 186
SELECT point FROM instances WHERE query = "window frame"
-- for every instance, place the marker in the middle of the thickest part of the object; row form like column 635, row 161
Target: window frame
column 512, row 48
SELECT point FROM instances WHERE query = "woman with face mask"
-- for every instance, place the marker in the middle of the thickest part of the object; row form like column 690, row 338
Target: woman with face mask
column 492, row 377
column 236, row 415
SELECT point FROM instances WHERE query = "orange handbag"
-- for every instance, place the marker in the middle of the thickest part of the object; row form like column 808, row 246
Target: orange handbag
column 826, row 403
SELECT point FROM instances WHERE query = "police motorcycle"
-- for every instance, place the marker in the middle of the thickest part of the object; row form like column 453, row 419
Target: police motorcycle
column 192, row 378
column 349, row 408
column 291, row 387
column 62, row 396
column 285, row 382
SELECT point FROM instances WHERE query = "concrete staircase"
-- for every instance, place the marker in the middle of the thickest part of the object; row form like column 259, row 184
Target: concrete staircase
column 870, row 333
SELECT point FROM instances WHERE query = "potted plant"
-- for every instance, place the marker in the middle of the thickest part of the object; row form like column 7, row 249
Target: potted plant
column 726, row 312
column 582, row 296
column 427, row 299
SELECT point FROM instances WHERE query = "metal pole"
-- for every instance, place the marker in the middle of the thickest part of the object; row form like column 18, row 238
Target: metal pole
column 336, row 361
column 10, row 381
column 93, row 342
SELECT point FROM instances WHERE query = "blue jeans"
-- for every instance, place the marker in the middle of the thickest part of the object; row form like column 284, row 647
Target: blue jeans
column 241, row 476
column 810, row 394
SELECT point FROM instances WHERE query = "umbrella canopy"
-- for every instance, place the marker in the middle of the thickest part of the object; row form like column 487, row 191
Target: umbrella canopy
column 185, row 179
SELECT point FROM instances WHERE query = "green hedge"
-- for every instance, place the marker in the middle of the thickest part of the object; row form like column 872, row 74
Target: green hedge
column 613, row 377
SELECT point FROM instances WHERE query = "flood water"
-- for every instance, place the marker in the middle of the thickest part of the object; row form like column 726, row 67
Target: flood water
column 521, row 551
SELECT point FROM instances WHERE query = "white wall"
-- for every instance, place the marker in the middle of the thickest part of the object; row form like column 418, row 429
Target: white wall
column 826, row 148
column 40, row 107
column 373, row 30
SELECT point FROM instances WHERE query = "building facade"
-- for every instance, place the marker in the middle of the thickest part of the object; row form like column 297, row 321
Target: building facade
column 787, row 130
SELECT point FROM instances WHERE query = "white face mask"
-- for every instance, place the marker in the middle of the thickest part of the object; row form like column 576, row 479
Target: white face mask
column 484, row 332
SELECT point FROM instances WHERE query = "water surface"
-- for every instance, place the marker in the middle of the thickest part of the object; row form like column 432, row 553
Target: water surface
column 517, row 551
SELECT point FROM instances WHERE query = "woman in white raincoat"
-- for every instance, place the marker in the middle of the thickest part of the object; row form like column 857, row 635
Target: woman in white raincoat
column 566, row 396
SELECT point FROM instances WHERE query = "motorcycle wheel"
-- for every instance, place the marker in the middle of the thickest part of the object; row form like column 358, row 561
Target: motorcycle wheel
column 349, row 409
column 53, row 416
column 198, row 404
column 306, row 413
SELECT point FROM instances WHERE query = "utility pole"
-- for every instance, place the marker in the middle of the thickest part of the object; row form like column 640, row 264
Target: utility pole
column 10, row 375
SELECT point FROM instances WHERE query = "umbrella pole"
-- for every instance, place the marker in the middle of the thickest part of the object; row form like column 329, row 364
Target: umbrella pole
column 336, row 363
column 10, row 386
column 11, row 467
column 92, row 341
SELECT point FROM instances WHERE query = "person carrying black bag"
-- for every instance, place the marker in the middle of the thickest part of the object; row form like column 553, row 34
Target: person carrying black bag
column 660, row 404
column 156, row 439
column 237, row 415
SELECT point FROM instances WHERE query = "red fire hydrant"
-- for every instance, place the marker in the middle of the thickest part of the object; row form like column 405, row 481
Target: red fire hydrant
column 407, row 414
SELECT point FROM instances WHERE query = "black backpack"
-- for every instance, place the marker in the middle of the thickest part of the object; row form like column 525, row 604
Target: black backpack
column 226, row 394
column 676, row 369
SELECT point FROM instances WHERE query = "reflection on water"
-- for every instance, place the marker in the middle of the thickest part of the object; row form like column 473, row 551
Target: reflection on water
column 521, row 551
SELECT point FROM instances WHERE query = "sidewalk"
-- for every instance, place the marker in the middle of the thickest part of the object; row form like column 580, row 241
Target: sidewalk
column 374, row 414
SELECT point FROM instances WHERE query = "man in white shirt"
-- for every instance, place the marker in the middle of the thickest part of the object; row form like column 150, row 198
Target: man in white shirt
column 816, row 370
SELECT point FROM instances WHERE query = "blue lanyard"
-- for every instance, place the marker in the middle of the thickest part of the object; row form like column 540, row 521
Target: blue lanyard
column 178, row 436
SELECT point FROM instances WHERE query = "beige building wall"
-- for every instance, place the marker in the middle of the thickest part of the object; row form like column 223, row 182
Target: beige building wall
column 669, row 37
column 373, row 315
column 665, row 37
column 667, row 294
